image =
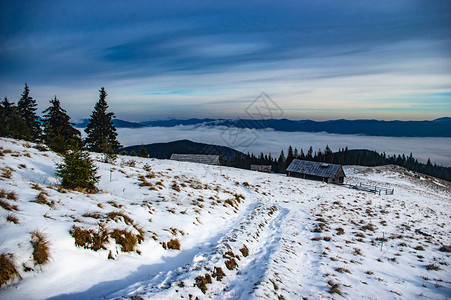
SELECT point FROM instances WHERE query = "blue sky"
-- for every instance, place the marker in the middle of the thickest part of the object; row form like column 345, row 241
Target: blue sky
column 181, row 59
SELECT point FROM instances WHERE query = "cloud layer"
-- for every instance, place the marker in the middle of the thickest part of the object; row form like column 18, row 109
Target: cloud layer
column 269, row 141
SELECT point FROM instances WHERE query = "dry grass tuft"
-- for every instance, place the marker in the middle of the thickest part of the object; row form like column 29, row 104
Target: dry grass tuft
column 244, row 251
column 175, row 187
column 335, row 289
column 119, row 215
column 201, row 283
column 94, row 215
column 41, row 250
column 369, row 227
column 218, row 273
column 126, row 239
column 8, row 270
column 36, row 186
column 432, row 267
column 231, row 263
column 41, row 198
column 7, row 172
column 173, row 244
column 89, row 239
column 340, row 231
column 342, row 270
column 12, row 219
column 6, row 206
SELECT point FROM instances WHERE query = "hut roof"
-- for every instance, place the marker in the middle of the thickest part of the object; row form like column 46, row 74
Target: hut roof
column 314, row 168
column 197, row 158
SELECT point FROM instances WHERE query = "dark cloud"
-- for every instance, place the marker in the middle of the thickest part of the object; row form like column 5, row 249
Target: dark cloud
column 74, row 43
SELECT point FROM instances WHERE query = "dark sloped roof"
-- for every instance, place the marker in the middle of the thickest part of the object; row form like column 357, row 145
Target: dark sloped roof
column 197, row 158
column 265, row 168
column 314, row 168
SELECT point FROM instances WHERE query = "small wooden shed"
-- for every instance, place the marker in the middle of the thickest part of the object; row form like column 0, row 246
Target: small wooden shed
column 197, row 158
column 262, row 168
column 326, row 172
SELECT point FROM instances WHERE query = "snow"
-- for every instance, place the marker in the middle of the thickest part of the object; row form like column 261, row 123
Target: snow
column 302, row 236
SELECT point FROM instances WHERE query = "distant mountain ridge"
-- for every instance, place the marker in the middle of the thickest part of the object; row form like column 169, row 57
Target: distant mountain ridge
column 165, row 150
column 437, row 128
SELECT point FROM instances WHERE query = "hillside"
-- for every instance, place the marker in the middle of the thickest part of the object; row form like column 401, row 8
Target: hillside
column 164, row 150
column 242, row 234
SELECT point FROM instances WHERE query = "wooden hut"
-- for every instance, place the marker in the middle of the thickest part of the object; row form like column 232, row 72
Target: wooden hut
column 197, row 158
column 330, row 173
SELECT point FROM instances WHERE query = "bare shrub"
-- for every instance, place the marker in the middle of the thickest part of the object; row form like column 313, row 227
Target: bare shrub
column 41, row 250
column 8, row 270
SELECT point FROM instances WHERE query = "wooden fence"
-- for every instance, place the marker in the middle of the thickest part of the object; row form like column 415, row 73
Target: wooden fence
column 371, row 189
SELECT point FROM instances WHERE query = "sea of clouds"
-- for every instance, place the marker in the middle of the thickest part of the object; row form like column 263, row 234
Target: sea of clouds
column 271, row 141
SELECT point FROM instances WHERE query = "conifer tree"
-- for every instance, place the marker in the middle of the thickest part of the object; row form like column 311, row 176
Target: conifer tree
column 143, row 151
column 77, row 171
column 59, row 134
column 281, row 162
column 27, row 110
column 11, row 124
column 309, row 155
column 101, row 127
column 327, row 154
column 290, row 157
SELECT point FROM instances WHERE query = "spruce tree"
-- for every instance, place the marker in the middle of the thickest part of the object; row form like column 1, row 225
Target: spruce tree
column 281, row 162
column 77, row 171
column 59, row 134
column 290, row 157
column 101, row 127
column 143, row 151
column 27, row 110
column 11, row 124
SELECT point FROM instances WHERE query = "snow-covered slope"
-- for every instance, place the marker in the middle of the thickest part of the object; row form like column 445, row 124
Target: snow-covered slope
column 262, row 235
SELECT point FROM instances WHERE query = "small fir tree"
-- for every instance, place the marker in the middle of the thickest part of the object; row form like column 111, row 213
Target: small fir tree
column 143, row 151
column 101, row 127
column 77, row 171
column 27, row 110
column 59, row 134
